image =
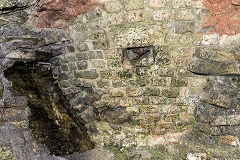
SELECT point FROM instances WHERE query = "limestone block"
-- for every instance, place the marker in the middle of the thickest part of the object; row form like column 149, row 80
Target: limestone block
column 157, row 100
column 116, row 93
column 160, row 81
column 143, row 100
column 119, row 83
column 149, row 109
column 205, row 66
column 181, row 3
column 115, row 19
column 157, row 3
column 161, row 15
column 179, row 82
column 135, row 15
column 103, row 84
column 100, row 44
column 226, row 120
column 183, row 27
column 184, row 14
column 133, row 4
column 113, row 6
column 82, row 56
column 171, row 92
column 94, row 14
column 106, row 74
column 211, row 39
column 72, row 66
column 82, row 65
column 95, row 55
column 90, row 74
column 152, row 91
column 114, row 64
column 98, row 64
column 232, row 68
column 64, row 68
column 82, row 47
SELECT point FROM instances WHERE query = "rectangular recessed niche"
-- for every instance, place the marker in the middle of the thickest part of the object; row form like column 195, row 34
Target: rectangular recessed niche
column 132, row 56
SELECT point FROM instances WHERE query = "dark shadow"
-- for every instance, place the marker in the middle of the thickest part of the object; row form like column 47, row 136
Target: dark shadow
column 51, row 120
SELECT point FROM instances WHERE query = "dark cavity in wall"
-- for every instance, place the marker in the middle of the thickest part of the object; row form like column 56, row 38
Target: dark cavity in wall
column 51, row 122
column 133, row 55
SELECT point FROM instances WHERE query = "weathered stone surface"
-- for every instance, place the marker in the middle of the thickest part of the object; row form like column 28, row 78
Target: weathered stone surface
column 183, row 27
column 207, row 67
column 114, row 115
column 171, row 92
column 222, row 91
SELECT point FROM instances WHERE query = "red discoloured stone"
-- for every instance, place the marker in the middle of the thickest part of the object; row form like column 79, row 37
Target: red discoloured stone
column 236, row 2
column 51, row 11
column 224, row 16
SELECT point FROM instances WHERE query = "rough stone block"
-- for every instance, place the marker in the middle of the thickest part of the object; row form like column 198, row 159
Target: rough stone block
column 184, row 27
column 64, row 68
column 171, row 92
column 157, row 3
column 65, row 84
column 115, row 19
column 116, row 93
column 184, row 14
column 135, row 16
column 95, row 55
column 72, row 66
column 103, row 84
column 161, row 15
column 94, row 14
column 70, row 58
column 107, row 74
column 90, row 74
column 211, row 39
column 165, row 72
column 179, row 82
column 82, row 65
column 77, row 82
column 114, row 64
column 82, row 56
column 99, row 34
column 134, row 4
column 149, row 109
column 82, row 47
column 181, row 62
column 66, row 76
column 119, row 83
column 160, row 81
column 79, row 74
column 152, row 92
column 113, row 6
column 72, row 90
column 232, row 68
column 157, row 100
column 100, row 44
column 134, row 92
column 183, row 72
column 125, row 74
column 99, row 64
column 143, row 100
column 181, row 3
column 205, row 67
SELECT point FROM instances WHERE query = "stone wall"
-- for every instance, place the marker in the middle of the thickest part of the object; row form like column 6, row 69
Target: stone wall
column 151, row 92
